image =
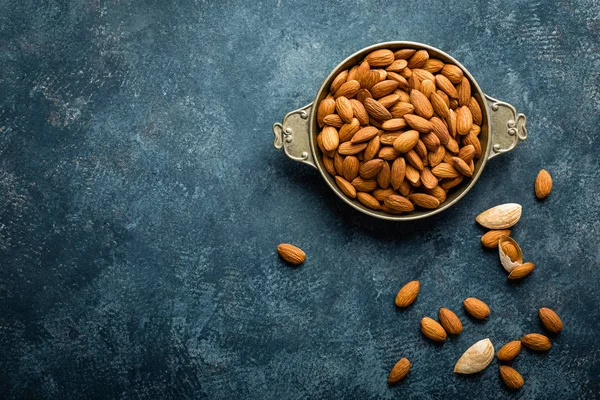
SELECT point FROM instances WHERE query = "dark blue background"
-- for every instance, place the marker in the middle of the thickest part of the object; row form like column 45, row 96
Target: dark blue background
column 141, row 203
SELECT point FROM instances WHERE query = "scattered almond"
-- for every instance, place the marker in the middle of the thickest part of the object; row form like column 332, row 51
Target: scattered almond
column 450, row 321
column 543, row 184
column 536, row 342
column 511, row 377
column 291, row 254
column 490, row 239
column 550, row 320
column 521, row 271
column 476, row 308
column 433, row 330
column 407, row 294
column 509, row 351
column 399, row 371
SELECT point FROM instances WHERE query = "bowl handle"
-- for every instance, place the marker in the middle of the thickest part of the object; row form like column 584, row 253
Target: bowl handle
column 293, row 135
column 507, row 126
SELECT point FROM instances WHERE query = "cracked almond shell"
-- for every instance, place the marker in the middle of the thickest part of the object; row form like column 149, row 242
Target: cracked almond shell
column 508, row 263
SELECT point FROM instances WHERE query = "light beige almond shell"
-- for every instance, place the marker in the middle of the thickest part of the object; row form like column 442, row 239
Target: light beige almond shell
column 500, row 217
column 507, row 263
column 476, row 358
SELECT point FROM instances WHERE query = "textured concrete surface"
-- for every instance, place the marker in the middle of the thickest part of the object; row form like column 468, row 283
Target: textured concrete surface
column 142, row 202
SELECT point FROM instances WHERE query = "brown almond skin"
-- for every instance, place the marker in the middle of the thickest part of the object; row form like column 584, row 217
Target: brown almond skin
column 433, row 330
column 450, row 321
column 490, row 239
column 476, row 308
column 550, row 320
column 511, row 377
column 291, row 254
column 509, row 351
column 408, row 294
column 399, row 371
column 536, row 342
column 521, row 271
column 543, row 184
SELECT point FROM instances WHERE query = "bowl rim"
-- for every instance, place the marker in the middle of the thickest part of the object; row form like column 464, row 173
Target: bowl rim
column 381, row 214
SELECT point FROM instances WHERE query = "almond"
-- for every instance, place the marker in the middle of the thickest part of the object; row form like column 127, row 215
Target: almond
column 509, row 249
column 433, row 65
column 377, row 110
column 338, row 162
column 445, row 170
column 428, row 179
column 450, row 321
column 346, row 187
column 424, row 200
column 490, row 239
column 362, row 95
column 474, row 141
column 406, row 141
column 372, row 149
column 500, row 217
column 394, row 124
column 399, row 371
column 422, row 105
column 397, row 172
column 475, row 129
column 359, row 112
column 438, row 193
column 475, row 111
column 453, row 73
column 388, row 153
column 436, row 157
column 430, row 141
column 550, row 320
column 464, row 92
column 352, row 73
column 464, row 120
column 326, row 107
column 363, row 69
column 521, row 271
column 509, row 351
column 511, row 377
column 405, row 188
column 407, row 294
column 383, row 177
column 418, row 123
column 328, row 164
column 476, row 308
column 330, row 138
column 476, row 358
column 413, row 159
column 339, row 80
column 382, row 194
column 404, row 54
column 347, row 131
column 414, row 83
column 349, row 148
column 427, row 87
column 451, row 121
column 350, row 168
column 383, row 88
column 423, row 75
column 398, row 203
column 418, row 59
column 462, row 167
column 453, row 104
column 536, row 342
column 404, row 96
column 401, row 108
column 433, row 330
column 368, row 201
column 333, row 120
column 370, row 169
column 344, row 109
column 389, row 100
column 439, row 105
column 444, row 84
column 543, row 184
column 451, row 182
column 291, row 254
column 365, row 134
column 364, row 185
column 413, row 175
column 389, row 138
column 380, row 58
column 440, row 129
column 466, row 153
column 397, row 66
column 452, row 146
column 348, row 89
column 402, row 82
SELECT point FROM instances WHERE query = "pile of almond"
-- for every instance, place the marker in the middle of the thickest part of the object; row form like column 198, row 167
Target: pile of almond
column 400, row 130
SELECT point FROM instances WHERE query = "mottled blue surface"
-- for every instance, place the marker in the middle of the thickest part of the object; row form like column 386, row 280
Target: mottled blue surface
column 141, row 203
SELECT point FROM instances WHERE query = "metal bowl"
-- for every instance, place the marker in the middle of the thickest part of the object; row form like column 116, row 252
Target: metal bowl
column 501, row 129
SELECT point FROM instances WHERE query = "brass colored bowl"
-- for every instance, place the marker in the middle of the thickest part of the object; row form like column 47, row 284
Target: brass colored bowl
column 501, row 129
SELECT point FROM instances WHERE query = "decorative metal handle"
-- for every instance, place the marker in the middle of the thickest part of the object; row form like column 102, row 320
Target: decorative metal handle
column 293, row 135
column 507, row 127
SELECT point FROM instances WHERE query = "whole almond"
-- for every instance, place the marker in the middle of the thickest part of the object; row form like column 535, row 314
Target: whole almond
column 339, row 80
column 382, row 194
column 388, row 153
column 550, row 320
column 433, row 330
column 423, row 75
column 330, row 138
column 365, row 134
column 451, row 182
column 394, row 124
column 380, row 58
column 451, row 121
column 422, row 105
column 475, row 129
column 368, row 201
column 430, row 141
column 428, row 179
column 500, row 217
column 474, row 141
column 476, row 358
column 407, row 294
column 326, row 107
column 511, row 377
column 333, row 120
column 461, row 166
column 406, row 141
column 536, row 342
column 414, row 82
column 440, row 129
column 344, row 109
column 404, row 53
column 383, row 177
column 404, row 96
column 467, row 153
column 363, row 69
column 453, row 104
column 509, row 351
column 383, row 88
column 521, row 271
column 359, row 112
column 369, row 79
column 291, row 254
column 346, row 187
column 389, row 100
column 362, row 95
column 476, row 308
column 370, row 169
column 452, row 146
column 418, row 123
column 377, row 110
column 405, row 188
column 401, row 108
column 444, row 84
column 543, row 184
column 424, row 200
column 402, row 82
column 399, row 203
column 349, row 148
column 350, row 168
column 413, row 159
column 347, row 131
column 445, row 170
column 338, row 162
column 352, row 73
column 397, row 172
column 490, row 239
column 453, row 73
column 510, row 249
column 439, row 105
column 399, row 371
column 364, row 185
column 418, row 59
column 348, row 89
column 372, row 149
column 475, row 111
column 433, row 65
column 427, row 87
column 397, row 66
column 328, row 164
column 464, row 120
column 388, row 138
column 421, row 151
column 413, row 175
column 450, row 321
column 464, row 92
column 436, row 157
